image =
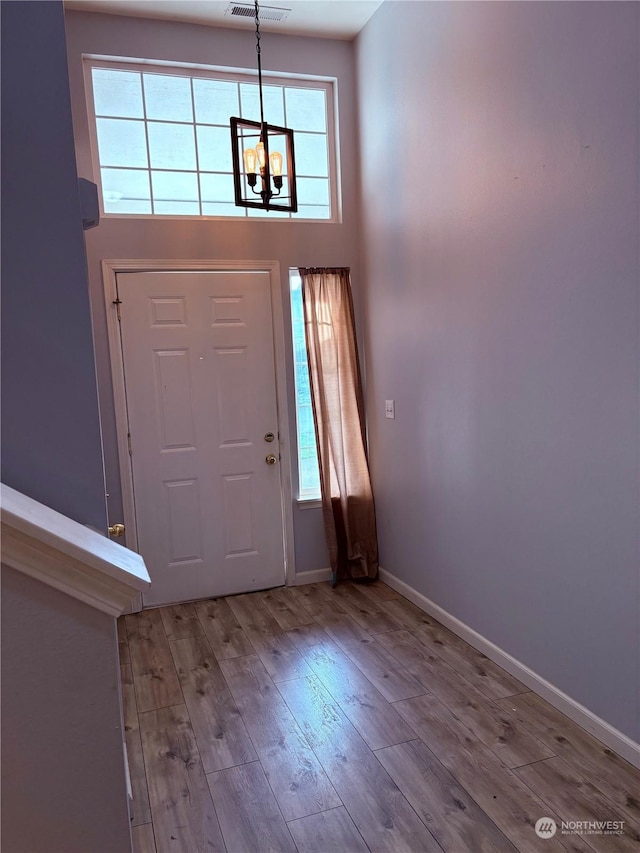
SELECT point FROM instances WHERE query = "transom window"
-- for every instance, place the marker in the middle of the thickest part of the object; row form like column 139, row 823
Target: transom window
column 162, row 139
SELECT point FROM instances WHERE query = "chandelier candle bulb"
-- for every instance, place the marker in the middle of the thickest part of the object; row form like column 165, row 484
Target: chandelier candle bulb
column 250, row 160
column 275, row 161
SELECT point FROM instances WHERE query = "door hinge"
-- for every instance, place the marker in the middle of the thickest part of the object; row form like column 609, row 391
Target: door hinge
column 118, row 302
column 129, row 443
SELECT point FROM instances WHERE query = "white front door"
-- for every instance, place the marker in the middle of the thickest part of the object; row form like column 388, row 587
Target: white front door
column 201, row 399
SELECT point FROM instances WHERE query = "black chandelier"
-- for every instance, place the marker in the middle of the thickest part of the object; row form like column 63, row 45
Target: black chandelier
column 264, row 173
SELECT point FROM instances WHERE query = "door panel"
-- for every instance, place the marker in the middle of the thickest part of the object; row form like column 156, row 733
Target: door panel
column 200, row 387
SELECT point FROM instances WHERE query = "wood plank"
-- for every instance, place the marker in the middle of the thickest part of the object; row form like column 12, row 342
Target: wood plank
column 495, row 727
column 382, row 815
column 332, row 831
column 154, row 674
column 477, row 668
column 612, row 775
column 337, row 623
column 276, row 651
column 139, row 809
column 285, row 608
column 123, row 642
column 384, row 670
column 143, row 839
column 575, row 798
column 510, row 804
column 249, row 815
column 222, row 629
column 372, row 659
column 184, row 817
column 362, row 609
column 297, row 779
column 453, row 817
column 221, row 735
column 180, row 621
column 310, row 595
column 379, row 592
column 373, row 716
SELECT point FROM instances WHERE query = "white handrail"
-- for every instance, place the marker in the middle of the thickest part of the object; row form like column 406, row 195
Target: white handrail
column 68, row 556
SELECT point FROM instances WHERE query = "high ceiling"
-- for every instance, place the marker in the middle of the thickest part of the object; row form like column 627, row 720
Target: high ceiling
column 342, row 19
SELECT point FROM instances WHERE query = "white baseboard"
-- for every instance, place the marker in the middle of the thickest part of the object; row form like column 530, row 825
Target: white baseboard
column 610, row 736
column 314, row 576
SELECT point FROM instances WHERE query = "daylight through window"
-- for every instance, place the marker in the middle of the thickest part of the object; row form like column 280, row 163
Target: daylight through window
column 163, row 141
column 308, row 473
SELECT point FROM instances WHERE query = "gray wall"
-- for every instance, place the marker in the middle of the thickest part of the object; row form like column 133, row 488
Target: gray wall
column 51, row 446
column 501, row 313
column 291, row 243
column 63, row 777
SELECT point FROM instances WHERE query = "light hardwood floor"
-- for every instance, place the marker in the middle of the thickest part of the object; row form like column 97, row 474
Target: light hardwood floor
column 317, row 720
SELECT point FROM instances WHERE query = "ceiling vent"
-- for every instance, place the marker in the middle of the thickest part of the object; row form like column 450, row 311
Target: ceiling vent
column 247, row 10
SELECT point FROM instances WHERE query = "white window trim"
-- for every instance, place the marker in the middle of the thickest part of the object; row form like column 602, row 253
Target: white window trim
column 309, row 503
column 328, row 84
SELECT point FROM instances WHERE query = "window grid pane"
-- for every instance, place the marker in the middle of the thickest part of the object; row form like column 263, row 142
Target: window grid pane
column 117, row 93
column 215, row 100
column 126, row 190
column 172, row 146
column 174, row 123
column 168, row 97
column 121, row 142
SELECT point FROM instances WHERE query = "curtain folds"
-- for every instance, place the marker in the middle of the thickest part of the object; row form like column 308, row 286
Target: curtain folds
column 338, row 409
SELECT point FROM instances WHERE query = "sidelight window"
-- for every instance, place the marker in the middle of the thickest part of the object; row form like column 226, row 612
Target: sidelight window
column 308, row 472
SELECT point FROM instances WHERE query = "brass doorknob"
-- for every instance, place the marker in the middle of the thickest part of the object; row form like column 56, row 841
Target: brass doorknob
column 270, row 459
column 116, row 530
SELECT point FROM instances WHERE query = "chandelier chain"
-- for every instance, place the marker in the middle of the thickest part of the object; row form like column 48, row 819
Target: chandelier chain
column 258, row 51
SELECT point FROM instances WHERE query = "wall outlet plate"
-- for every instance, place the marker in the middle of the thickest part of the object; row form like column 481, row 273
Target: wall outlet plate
column 389, row 408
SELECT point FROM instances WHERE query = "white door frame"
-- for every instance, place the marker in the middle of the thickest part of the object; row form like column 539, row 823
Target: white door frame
column 110, row 269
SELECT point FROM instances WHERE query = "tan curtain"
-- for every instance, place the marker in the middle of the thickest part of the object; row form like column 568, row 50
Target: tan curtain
column 338, row 409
